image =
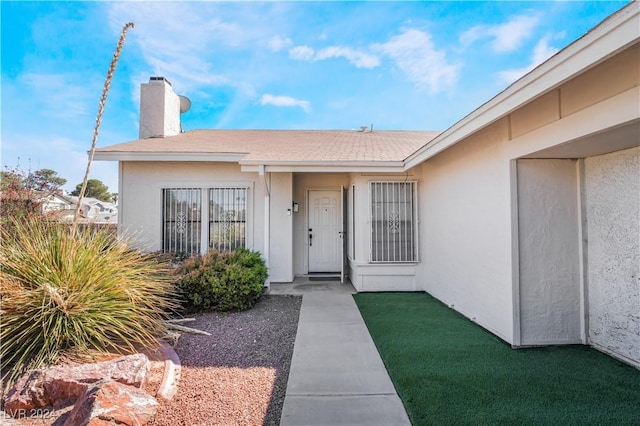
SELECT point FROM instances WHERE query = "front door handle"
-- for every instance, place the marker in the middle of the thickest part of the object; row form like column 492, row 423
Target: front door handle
column 310, row 237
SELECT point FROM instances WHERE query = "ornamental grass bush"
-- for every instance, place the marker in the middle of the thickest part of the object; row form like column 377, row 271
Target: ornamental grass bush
column 222, row 281
column 74, row 291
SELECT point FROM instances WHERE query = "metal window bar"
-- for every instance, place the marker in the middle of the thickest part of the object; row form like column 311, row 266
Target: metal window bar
column 227, row 218
column 374, row 220
column 393, row 222
column 181, row 218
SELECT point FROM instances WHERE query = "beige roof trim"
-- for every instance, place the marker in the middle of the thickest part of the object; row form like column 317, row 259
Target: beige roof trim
column 617, row 32
column 168, row 156
column 286, row 163
column 324, row 168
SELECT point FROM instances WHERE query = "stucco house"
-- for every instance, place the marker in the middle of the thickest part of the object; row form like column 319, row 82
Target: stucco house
column 53, row 201
column 96, row 211
column 524, row 216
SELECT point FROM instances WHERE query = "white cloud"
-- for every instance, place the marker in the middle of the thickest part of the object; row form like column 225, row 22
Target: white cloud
column 541, row 53
column 176, row 27
column 195, row 72
column 61, row 95
column 277, row 43
column 285, row 101
column 301, row 53
column 358, row 58
column 505, row 37
column 415, row 54
column 175, row 40
column 473, row 34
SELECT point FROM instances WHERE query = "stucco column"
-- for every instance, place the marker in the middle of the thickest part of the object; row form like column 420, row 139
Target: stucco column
column 267, row 222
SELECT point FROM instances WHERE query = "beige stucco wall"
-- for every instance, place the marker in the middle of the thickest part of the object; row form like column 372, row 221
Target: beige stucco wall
column 612, row 78
column 469, row 201
column 281, row 227
column 141, row 212
column 141, row 185
column 465, row 213
column 612, row 192
column 608, row 79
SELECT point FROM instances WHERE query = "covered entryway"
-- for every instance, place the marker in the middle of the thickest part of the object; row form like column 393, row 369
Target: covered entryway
column 549, row 239
column 578, row 222
column 324, row 233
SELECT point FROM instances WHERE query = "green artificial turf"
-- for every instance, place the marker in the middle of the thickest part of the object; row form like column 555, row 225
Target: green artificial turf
column 448, row 370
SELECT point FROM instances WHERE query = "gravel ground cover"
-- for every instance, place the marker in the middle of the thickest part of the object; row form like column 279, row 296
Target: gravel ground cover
column 238, row 375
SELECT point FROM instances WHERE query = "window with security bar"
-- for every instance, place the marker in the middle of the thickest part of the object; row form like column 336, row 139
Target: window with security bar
column 227, row 218
column 182, row 217
column 393, row 222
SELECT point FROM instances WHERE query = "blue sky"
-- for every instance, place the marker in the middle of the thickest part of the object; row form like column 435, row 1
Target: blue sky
column 287, row 65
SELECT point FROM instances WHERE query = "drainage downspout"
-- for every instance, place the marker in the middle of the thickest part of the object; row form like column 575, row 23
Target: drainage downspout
column 267, row 220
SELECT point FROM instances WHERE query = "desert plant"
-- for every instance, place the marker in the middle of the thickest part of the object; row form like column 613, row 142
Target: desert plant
column 67, row 290
column 222, row 281
column 103, row 101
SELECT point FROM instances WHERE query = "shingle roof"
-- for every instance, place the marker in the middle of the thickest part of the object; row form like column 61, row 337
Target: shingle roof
column 286, row 146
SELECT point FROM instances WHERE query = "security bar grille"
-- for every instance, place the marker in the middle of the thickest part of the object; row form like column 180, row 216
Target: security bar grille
column 227, row 218
column 393, row 222
column 182, row 209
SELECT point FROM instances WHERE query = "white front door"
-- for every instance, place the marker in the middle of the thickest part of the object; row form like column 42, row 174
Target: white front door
column 324, row 233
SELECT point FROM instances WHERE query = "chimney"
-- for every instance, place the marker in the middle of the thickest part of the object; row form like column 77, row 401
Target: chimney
column 159, row 109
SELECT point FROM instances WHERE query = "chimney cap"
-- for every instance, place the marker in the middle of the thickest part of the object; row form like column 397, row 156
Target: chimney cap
column 158, row 80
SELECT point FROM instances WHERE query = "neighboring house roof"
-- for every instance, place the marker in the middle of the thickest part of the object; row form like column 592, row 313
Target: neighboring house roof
column 275, row 147
column 89, row 200
column 42, row 195
column 53, row 201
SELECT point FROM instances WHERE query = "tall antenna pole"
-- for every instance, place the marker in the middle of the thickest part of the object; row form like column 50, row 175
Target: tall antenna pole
column 103, row 101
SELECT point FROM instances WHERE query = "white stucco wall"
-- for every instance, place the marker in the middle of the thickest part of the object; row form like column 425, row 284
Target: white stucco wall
column 549, row 252
column 141, row 184
column 612, row 187
column 465, row 229
column 281, row 227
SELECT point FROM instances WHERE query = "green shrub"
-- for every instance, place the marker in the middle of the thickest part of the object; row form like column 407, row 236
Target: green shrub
column 222, row 281
column 68, row 290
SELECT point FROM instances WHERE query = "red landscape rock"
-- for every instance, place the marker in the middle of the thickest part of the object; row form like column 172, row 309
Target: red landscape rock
column 108, row 403
column 62, row 385
column 26, row 394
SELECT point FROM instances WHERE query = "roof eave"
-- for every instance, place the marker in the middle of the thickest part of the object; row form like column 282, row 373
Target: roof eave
column 168, row 156
column 613, row 35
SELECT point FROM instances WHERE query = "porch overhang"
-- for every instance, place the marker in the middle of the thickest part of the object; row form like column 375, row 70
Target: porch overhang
column 257, row 166
column 323, row 166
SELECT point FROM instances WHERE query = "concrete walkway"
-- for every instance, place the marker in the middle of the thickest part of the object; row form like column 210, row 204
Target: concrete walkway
column 336, row 375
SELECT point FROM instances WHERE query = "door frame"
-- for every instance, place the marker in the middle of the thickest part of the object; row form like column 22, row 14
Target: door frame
column 339, row 190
